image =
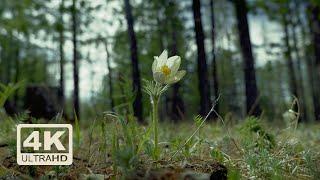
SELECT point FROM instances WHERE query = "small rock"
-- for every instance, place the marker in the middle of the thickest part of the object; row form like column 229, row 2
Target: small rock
column 220, row 172
column 92, row 176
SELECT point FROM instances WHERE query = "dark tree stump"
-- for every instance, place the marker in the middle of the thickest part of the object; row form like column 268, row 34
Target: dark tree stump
column 220, row 172
column 42, row 101
column 10, row 108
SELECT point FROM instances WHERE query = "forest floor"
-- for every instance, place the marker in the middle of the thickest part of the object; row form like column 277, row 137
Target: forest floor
column 250, row 149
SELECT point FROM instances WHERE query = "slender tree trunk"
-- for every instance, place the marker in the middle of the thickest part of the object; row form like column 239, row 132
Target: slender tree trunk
column 252, row 101
column 161, row 43
column 288, row 51
column 109, row 77
column 309, row 60
column 8, row 70
column 61, row 52
column 177, row 102
column 137, row 104
column 315, row 29
column 311, row 75
column 300, row 73
column 202, row 60
column 3, row 64
column 215, row 82
column 76, row 103
column 17, row 73
column 8, row 57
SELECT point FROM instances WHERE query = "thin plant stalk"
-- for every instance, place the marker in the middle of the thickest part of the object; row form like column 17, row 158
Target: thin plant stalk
column 194, row 133
column 155, row 122
column 165, row 72
column 201, row 124
column 296, row 101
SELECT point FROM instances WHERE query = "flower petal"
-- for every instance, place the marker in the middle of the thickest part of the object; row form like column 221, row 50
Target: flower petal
column 173, row 79
column 162, row 59
column 154, row 64
column 159, row 77
column 174, row 64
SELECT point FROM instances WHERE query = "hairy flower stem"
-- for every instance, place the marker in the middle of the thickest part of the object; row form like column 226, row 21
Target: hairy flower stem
column 155, row 89
column 155, row 101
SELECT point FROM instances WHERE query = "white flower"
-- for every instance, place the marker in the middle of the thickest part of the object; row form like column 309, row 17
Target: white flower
column 289, row 115
column 165, row 70
column 290, row 118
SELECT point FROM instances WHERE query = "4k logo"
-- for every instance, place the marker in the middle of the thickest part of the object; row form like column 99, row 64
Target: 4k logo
column 44, row 144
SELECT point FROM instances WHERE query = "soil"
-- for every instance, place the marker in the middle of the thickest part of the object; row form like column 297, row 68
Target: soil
column 80, row 169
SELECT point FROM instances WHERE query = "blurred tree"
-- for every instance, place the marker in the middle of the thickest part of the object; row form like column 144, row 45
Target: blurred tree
column 215, row 82
column 252, row 99
column 315, row 29
column 75, row 25
column 288, row 55
column 303, row 21
column 160, row 7
column 82, row 37
column 299, row 61
column 17, row 72
column 202, row 61
column 287, row 14
column 60, row 28
column 20, row 21
column 110, row 81
column 137, row 105
column 177, row 109
column 27, row 33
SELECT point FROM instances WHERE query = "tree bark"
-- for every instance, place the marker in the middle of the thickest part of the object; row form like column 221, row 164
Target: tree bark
column 76, row 103
column 109, row 77
column 315, row 29
column 252, row 101
column 299, row 68
column 8, row 56
column 288, row 51
column 215, row 82
column 17, row 73
column 3, row 64
column 137, row 104
column 309, row 60
column 61, row 53
column 202, row 61
column 177, row 109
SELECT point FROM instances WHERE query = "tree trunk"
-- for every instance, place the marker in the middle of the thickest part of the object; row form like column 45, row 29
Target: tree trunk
column 291, row 75
column 76, row 103
column 8, row 69
column 252, row 101
column 315, row 28
column 17, row 74
column 299, row 68
column 215, row 82
column 177, row 109
column 61, row 52
column 109, row 77
column 311, row 74
column 2, row 65
column 202, row 61
column 8, row 56
column 137, row 104
column 309, row 60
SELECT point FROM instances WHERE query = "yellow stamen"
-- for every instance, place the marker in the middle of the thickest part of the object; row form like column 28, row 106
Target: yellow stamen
column 165, row 70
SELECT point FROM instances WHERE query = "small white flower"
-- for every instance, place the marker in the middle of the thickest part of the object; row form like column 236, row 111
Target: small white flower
column 289, row 115
column 165, row 70
column 290, row 118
